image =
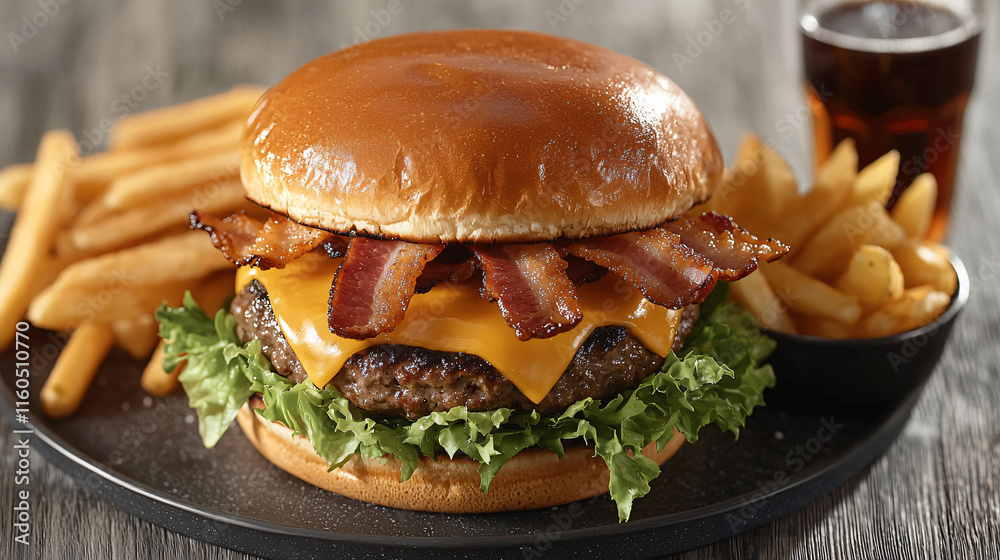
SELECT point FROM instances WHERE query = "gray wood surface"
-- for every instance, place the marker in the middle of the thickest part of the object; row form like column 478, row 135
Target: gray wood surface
column 934, row 494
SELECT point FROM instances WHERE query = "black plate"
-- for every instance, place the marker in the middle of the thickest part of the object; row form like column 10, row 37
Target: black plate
column 143, row 455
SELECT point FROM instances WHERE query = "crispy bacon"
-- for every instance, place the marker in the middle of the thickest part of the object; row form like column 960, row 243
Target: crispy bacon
column 374, row 284
column 273, row 244
column 732, row 249
column 534, row 284
column 536, row 297
column 665, row 270
column 232, row 235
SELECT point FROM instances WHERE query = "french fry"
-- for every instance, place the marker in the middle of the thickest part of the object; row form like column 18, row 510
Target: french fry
column 75, row 369
column 14, row 181
column 137, row 335
column 759, row 298
column 187, row 256
column 875, row 182
column 914, row 210
column 842, row 278
column 809, row 213
column 169, row 179
column 873, row 276
column 839, row 172
column 211, row 294
column 824, row 328
column 155, row 380
column 214, row 292
column 884, row 232
column 922, row 264
column 66, row 307
column 809, row 296
column 917, row 307
column 122, row 284
column 126, row 228
column 826, row 255
column 760, row 174
column 735, row 193
column 172, row 123
column 92, row 177
column 31, row 238
column 777, row 186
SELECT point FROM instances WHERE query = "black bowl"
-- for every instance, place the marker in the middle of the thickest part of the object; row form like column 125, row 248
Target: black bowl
column 814, row 372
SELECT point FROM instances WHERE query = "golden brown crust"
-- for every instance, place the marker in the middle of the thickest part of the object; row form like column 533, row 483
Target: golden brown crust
column 478, row 136
column 534, row 478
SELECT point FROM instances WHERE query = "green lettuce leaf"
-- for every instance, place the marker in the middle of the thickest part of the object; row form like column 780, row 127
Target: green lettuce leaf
column 716, row 379
column 214, row 377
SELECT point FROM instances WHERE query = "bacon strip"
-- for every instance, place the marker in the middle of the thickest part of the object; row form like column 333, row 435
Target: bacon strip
column 374, row 284
column 273, row 244
column 733, row 250
column 232, row 235
column 665, row 270
column 536, row 297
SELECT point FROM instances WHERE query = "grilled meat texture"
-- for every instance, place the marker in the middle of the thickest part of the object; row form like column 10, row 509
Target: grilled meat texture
column 409, row 381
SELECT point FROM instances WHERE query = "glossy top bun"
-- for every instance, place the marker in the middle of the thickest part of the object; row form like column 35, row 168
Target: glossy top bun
column 478, row 136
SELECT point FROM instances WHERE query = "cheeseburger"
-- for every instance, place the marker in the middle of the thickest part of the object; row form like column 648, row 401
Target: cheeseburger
column 478, row 288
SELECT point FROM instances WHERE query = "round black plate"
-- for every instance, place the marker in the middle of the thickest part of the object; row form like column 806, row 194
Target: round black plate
column 144, row 456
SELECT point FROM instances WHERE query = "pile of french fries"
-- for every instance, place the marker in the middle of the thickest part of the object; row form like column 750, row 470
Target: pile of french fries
column 855, row 270
column 99, row 242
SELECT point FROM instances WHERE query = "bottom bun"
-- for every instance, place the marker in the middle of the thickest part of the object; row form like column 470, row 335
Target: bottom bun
column 534, row 478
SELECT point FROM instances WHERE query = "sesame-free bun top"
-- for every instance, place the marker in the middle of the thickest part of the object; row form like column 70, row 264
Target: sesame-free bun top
column 478, row 136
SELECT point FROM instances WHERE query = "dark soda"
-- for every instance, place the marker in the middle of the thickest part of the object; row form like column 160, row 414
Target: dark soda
column 893, row 74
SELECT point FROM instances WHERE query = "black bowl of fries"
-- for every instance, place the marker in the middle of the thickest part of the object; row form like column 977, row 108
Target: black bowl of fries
column 815, row 372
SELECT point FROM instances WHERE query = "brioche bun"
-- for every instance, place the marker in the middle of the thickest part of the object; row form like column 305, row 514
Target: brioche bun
column 534, row 478
column 478, row 136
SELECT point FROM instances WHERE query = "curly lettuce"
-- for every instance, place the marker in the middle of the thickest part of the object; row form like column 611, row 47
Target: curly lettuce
column 718, row 378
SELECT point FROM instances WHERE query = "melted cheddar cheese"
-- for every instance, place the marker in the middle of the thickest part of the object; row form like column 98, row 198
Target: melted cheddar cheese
column 454, row 318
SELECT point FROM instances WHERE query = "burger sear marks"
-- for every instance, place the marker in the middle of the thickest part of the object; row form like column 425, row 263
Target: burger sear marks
column 655, row 262
column 732, row 249
column 529, row 282
column 374, row 284
column 272, row 244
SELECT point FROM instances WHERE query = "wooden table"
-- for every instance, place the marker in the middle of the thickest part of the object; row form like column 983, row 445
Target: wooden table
column 934, row 494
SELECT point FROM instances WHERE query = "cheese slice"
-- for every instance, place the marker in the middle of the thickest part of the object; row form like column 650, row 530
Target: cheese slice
column 454, row 318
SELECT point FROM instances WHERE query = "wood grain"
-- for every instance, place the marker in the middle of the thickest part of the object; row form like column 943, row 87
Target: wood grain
column 935, row 493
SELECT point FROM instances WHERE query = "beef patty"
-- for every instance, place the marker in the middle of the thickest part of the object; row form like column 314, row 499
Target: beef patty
column 410, row 381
